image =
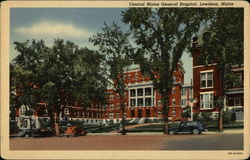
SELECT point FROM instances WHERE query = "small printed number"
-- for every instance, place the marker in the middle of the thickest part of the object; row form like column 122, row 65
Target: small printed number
column 234, row 153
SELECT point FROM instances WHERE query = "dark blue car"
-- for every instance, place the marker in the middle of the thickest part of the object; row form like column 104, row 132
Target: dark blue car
column 193, row 127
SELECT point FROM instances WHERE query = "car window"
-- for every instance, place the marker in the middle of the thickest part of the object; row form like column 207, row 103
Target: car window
column 183, row 124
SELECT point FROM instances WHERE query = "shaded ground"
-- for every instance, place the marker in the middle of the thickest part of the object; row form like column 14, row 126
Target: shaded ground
column 132, row 142
column 209, row 142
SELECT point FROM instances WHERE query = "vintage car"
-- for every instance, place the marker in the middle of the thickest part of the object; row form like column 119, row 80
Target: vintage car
column 74, row 131
column 193, row 127
column 35, row 133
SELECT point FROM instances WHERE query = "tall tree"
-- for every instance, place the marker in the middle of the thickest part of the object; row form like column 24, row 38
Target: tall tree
column 162, row 34
column 60, row 72
column 114, row 45
column 223, row 43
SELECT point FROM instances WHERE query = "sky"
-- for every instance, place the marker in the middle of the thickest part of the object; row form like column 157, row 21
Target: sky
column 73, row 24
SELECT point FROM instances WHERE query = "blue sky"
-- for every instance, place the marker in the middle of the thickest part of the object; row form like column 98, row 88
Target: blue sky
column 74, row 24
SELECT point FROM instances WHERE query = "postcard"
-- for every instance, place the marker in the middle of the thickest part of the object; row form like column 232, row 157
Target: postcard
column 125, row 80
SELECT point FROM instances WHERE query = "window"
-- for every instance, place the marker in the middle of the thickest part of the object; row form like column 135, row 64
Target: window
column 174, row 79
column 183, row 92
column 147, row 91
column 174, row 90
column 140, row 92
column 132, row 113
column 159, row 102
column 237, row 101
column 136, row 76
column 117, row 115
column 140, row 102
column 141, row 97
column 173, row 102
column 132, row 102
column 66, row 111
column 110, row 96
column 132, row 93
column 117, row 96
column 111, row 115
column 111, row 106
column 159, row 113
column 207, row 80
column 191, row 93
column 206, row 100
column 183, row 102
column 173, row 113
column 148, row 101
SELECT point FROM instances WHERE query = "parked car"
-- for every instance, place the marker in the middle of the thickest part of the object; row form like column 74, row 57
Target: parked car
column 75, row 131
column 193, row 127
column 35, row 133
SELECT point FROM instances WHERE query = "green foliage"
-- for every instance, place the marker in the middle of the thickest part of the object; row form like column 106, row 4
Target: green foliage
column 206, row 116
column 114, row 45
column 162, row 35
column 224, row 40
column 196, row 116
column 186, row 113
column 227, row 116
column 53, row 74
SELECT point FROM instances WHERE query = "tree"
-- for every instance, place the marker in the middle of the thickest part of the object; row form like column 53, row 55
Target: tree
column 162, row 34
column 224, row 40
column 60, row 72
column 186, row 113
column 114, row 45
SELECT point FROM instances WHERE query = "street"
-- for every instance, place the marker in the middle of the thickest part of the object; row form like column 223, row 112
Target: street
column 132, row 142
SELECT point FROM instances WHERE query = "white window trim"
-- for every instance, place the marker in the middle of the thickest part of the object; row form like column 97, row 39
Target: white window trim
column 207, row 71
column 211, row 92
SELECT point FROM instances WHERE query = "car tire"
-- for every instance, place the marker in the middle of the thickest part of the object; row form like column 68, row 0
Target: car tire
column 196, row 131
column 171, row 132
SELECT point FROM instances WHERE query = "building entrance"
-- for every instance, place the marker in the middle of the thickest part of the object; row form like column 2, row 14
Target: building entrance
column 139, row 113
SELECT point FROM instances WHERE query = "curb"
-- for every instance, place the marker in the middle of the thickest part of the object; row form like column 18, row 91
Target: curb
column 160, row 133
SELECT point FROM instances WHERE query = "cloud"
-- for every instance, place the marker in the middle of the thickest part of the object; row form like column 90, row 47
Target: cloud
column 53, row 29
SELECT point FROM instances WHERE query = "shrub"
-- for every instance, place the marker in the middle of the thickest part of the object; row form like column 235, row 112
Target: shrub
column 227, row 116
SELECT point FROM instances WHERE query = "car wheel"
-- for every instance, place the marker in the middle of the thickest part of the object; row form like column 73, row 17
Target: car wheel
column 196, row 131
column 171, row 132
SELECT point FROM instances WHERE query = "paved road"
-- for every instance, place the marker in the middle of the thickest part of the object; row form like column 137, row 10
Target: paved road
column 205, row 142
column 132, row 142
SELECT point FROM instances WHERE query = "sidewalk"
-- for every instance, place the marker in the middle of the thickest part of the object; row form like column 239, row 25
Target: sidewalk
column 226, row 131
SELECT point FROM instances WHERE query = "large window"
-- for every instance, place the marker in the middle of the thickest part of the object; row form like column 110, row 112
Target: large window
column 141, row 97
column 237, row 101
column 148, row 101
column 183, row 102
column 206, row 79
column 183, row 92
column 132, row 93
column 148, row 92
column 140, row 92
column 140, row 102
column 207, row 100
column 132, row 102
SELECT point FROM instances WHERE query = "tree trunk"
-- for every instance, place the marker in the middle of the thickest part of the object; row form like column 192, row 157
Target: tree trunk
column 165, row 113
column 123, row 118
column 220, row 121
column 56, row 123
column 123, row 125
